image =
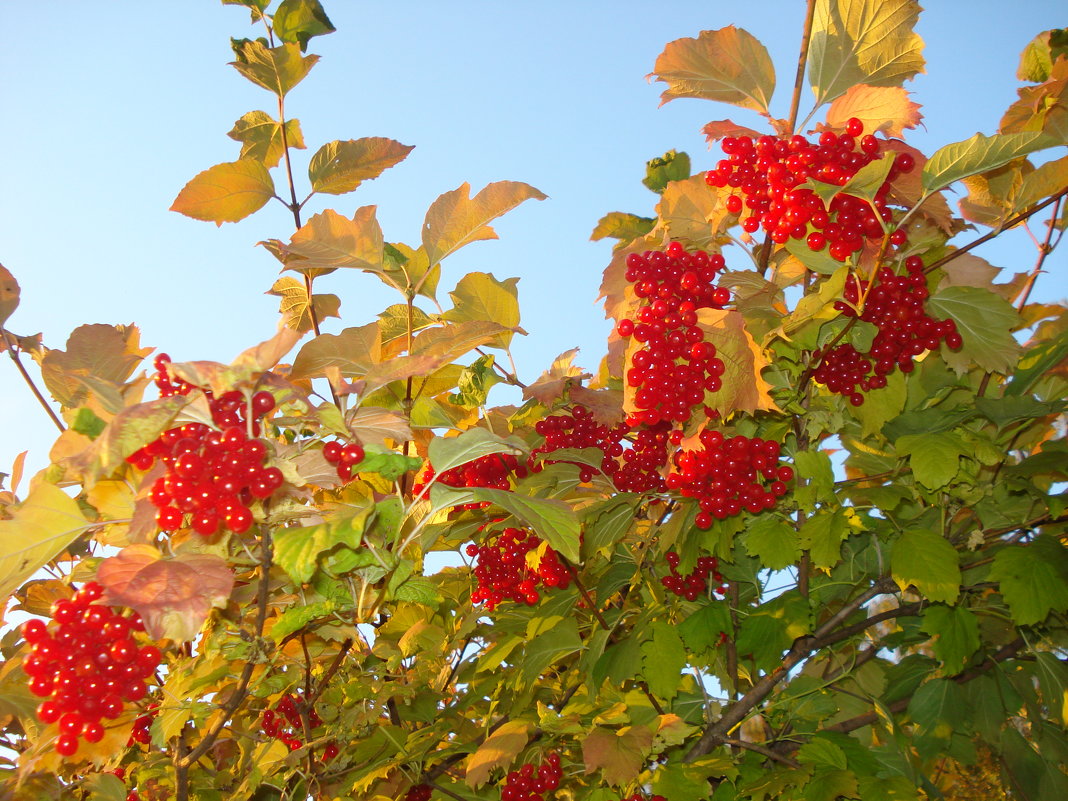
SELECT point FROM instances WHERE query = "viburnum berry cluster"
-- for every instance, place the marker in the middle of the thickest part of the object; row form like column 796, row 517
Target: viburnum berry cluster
column 346, row 457
column 418, row 792
column 213, row 475
column 494, row 471
column 675, row 365
column 284, row 723
column 896, row 305
column 579, row 429
column 87, row 665
column 729, row 475
column 531, row 783
column 768, row 175
column 142, row 727
column 502, row 570
column 640, row 797
column 693, row 585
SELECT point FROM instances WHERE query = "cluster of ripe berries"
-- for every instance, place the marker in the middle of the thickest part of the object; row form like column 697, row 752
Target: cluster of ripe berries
column 531, row 783
column 493, row 471
column 87, row 666
column 640, row 797
column 142, row 727
column 675, row 366
column 502, row 571
column 729, row 475
column 344, row 457
column 767, row 175
column 895, row 304
column 120, row 774
column 213, row 475
column 419, row 792
column 284, row 723
column 693, row 585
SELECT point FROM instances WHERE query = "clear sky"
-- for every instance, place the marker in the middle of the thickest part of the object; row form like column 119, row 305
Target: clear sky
column 109, row 108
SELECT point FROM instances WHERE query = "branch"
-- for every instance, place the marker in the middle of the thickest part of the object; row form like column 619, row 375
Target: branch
column 760, row 749
column 11, row 345
column 802, row 59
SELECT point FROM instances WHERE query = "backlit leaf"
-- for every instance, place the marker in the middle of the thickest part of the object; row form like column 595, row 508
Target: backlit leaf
column 295, row 307
column 340, row 167
column 863, row 42
column 456, row 219
column 128, row 431
column 933, row 457
column 298, row 550
column 276, row 69
column 694, row 212
column 729, row 65
column 985, row 322
column 1046, row 180
column 260, row 136
column 956, row 633
column 354, row 352
column 552, row 520
column 1036, row 60
column 104, row 353
column 561, row 375
column 1034, row 579
column 619, row 755
column 663, row 660
column 480, row 296
column 773, row 541
column 977, row 154
column 330, row 240
column 174, row 596
column 227, row 192
column 498, row 751
column 744, row 388
column 300, row 20
column 720, row 129
column 39, row 529
column 882, row 109
column 927, row 561
column 622, row 226
column 9, row 294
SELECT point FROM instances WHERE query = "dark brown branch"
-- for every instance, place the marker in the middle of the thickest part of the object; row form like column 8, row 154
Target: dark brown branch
column 321, row 685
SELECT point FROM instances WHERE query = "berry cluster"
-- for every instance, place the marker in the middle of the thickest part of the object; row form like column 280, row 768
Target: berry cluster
column 530, row 783
column 120, row 774
column 895, row 304
column 640, row 797
column 142, row 727
column 212, row 475
column 418, row 792
column 768, row 175
column 729, row 475
column 284, row 723
column 87, row 666
column 578, row 429
column 493, row 470
column 675, row 365
column 642, row 463
column 695, row 584
column 346, row 457
column 503, row 573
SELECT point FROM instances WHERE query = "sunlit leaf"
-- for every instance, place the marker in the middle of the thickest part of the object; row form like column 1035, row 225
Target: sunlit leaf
column 622, row 226
column 882, row 109
column 498, row 751
column 729, row 65
column 446, row 453
column 300, row 20
column 552, row 520
column 744, row 388
column 694, row 212
column 985, row 322
column 480, row 296
column 773, row 541
column 552, row 384
column 926, row 560
column 661, row 171
column 618, row 754
column 276, row 69
column 340, row 167
column 9, row 294
column 977, row 154
column 330, row 240
column 260, row 136
column 354, row 352
column 720, row 129
column 933, row 457
column 299, row 550
column 227, row 192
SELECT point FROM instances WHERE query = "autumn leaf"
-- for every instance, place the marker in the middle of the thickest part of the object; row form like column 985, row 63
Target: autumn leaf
column 330, row 240
column 498, row 751
column 729, row 65
column 260, row 136
column 354, row 351
column 276, row 69
column 481, row 297
column 882, row 109
column 694, row 212
column 720, row 129
column 552, row 384
column 174, row 596
column 619, row 755
column 295, row 307
column 9, row 295
column 744, row 388
column 340, row 167
column 227, row 192
column 108, row 353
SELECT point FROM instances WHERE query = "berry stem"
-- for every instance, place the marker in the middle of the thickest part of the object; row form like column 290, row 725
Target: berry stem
column 802, row 60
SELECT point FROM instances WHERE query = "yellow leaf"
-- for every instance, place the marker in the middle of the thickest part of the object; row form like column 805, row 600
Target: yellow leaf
column 744, row 388
column 40, row 529
column 94, row 353
column 339, row 167
column 276, row 69
column 694, row 212
column 499, row 750
column 886, row 109
column 227, row 192
column 480, row 296
column 9, row 294
column 329, row 241
column 619, row 755
column 554, row 382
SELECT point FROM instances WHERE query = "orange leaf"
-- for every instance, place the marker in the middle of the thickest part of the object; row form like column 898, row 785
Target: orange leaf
column 499, row 750
column 173, row 596
column 227, row 192
column 886, row 109
column 694, row 212
column 329, row 240
column 553, row 382
column 619, row 755
column 729, row 65
column 744, row 389
column 718, row 129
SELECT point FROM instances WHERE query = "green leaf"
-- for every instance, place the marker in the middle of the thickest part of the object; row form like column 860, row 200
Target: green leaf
column 545, row 649
column 623, row 226
column 868, row 42
column 476, row 380
column 868, row 179
column 985, row 322
column 821, row 752
column 445, row 453
column 819, row 261
column 387, row 464
column 606, row 522
column 663, row 660
column 339, row 167
column 701, row 631
column 418, row 590
column 661, row 171
column 956, row 633
column 552, row 520
column 977, row 154
column 1052, row 675
column 297, row 550
column 814, row 467
column 276, row 69
column 1036, row 362
column 619, row 755
column 39, row 529
column 227, row 192
column 773, row 541
column 456, row 219
column 1036, row 60
column 295, row 307
column 729, row 65
column 822, row 535
column 300, row 20
column 926, row 560
column 260, row 136
column 830, row 785
column 938, row 708
column 297, row 617
column 933, row 458
column 88, row 423
column 105, row 787
column 480, row 296
column 1033, row 578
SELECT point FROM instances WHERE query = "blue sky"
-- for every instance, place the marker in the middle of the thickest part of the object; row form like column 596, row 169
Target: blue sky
column 109, row 108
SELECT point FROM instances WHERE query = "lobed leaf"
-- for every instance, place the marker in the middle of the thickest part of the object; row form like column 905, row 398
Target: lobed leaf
column 985, row 322
column 276, row 69
column 481, row 297
column 927, row 561
column 227, row 192
column 353, row 352
column 1033, row 578
column 744, row 388
column 882, row 109
column 552, row 520
column 498, row 751
column 623, row 226
column 329, row 241
column 296, row 307
column 261, row 137
column 618, row 754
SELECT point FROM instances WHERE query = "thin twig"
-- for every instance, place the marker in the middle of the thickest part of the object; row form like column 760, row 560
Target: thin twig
column 802, row 60
column 762, row 750
column 12, row 349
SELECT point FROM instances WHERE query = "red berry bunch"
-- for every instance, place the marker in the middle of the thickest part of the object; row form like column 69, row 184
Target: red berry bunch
column 640, row 797
column 693, row 585
column 579, row 429
column 530, row 783
column 729, row 475
column 493, row 470
column 418, row 792
column 675, row 366
column 895, row 304
column 142, row 727
column 86, row 665
column 346, row 457
column 212, row 475
column 284, row 723
column 503, row 573
column 767, row 175
column 641, row 464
